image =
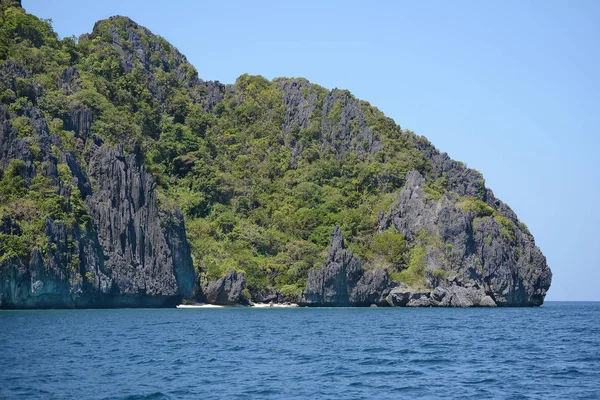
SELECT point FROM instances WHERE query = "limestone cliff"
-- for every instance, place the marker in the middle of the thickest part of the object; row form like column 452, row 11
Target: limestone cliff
column 469, row 259
column 131, row 252
column 343, row 282
column 126, row 180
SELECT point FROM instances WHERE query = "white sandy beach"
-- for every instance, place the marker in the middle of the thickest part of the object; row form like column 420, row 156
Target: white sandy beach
column 255, row 305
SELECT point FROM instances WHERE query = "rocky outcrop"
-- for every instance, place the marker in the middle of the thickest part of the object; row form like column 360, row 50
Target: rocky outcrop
column 79, row 120
column 266, row 296
column 226, row 290
column 460, row 179
column 300, row 101
column 452, row 296
column 9, row 227
column 13, row 148
column 342, row 281
column 214, row 92
column 69, row 80
column 52, row 277
column 492, row 250
column 336, row 119
column 344, row 126
column 471, row 260
column 132, row 253
column 133, row 232
column 139, row 48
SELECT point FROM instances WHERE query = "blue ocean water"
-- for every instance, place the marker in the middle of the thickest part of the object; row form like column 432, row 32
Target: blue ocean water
column 351, row 353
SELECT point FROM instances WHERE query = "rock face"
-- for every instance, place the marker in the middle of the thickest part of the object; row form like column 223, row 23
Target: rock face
column 453, row 296
column 342, row 281
column 337, row 120
column 226, row 290
column 491, row 254
column 471, row 260
column 133, row 232
column 132, row 253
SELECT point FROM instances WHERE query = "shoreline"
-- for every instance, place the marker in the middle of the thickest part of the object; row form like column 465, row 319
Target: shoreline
column 254, row 305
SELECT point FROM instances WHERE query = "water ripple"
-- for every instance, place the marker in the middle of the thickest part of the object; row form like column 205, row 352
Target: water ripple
column 552, row 352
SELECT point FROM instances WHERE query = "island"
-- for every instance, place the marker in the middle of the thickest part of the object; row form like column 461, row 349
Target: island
column 128, row 181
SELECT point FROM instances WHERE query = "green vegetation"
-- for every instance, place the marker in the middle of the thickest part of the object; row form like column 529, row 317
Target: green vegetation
column 435, row 189
column 440, row 274
column 524, row 228
column 29, row 206
column 507, row 227
column 475, row 206
column 415, row 273
column 391, row 246
column 291, row 292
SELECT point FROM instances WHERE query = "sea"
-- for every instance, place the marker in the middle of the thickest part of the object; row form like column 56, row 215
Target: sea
column 550, row 352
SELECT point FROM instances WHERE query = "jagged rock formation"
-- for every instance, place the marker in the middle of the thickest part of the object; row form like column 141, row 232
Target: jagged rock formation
column 470, row 259
column 226, row 290
column 94, row 133
column 338, row 115
column 453, row 296
column 132, row 253
column 489, row 254
column 147, row 249
column 342, row 281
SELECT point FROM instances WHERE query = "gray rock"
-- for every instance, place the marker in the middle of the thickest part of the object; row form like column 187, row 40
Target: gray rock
column 133, row 232
column 348, row 131
column 454, row 296
column 12, row 147
column 10, row 71
column 8, row 226
column 486, row 301
column 215, row 92
column 69, row 81
column 458, row 296
column 300, row 103
column 403, row 296
column 342, row 281
column 133, row 254
column 226, row 290
column 79, row 120
column 462, row 180
column 338, row 120
column 265, row 296
column 505, row 263
column 399, row 297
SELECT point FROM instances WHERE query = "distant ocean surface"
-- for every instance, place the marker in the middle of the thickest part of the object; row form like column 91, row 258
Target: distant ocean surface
column 321, row 353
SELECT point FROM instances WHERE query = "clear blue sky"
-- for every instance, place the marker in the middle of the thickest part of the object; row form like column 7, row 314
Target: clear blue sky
column 510, row 87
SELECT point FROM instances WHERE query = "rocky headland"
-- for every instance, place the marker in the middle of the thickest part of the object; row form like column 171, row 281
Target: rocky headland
column 127, row 181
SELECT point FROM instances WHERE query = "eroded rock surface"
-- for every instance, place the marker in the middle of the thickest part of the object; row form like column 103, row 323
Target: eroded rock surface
column 226, row 290
column 132, row 253
column 342, row 281
column 493, row 253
